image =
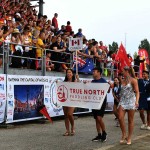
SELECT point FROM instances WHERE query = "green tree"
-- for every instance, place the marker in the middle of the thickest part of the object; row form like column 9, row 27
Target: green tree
column 135, row 55
column 113, row 47
column 145, row 45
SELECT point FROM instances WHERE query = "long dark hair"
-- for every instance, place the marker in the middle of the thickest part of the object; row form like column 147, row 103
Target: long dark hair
column 73, row 77
column 118, row 80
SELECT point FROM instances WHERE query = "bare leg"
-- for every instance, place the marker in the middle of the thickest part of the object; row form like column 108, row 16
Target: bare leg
column 148, row 118
column 121, row 114
column 115, row 111
column 65, row 109
column 100, row 123
column 98, row 127
column 1, row 62
column 130, row 123
column 71, row 118
column 142, row 116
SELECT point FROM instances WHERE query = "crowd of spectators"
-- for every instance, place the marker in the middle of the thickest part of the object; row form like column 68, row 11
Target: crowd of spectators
column 30, row 35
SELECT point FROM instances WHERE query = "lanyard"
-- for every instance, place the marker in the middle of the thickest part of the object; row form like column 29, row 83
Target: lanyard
column 145, row 82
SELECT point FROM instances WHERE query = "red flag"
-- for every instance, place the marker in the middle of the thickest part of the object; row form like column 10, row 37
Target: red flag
column 44, row 112
column 122, row 57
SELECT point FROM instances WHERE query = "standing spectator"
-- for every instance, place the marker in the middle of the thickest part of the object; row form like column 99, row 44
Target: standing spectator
column 40, row 49
column 16, row 48
column 55, row 22
column 137, row 62
column 58, row 47
column 68, row 27
column 102, row 47
column 143, row 104
column 26, row 41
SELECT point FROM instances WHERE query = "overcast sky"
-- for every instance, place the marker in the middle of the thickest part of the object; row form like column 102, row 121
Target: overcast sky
column 106, row 20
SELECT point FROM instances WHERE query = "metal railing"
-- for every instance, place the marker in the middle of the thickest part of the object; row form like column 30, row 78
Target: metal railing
column 8, row 55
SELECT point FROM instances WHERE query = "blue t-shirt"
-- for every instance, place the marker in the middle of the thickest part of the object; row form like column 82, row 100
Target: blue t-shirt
column 101, row 80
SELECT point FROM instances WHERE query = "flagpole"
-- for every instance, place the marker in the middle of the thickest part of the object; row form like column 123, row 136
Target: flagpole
column 76, row 62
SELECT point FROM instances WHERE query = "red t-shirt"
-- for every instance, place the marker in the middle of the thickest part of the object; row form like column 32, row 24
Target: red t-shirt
column 103, row 48
column 55, row 22
column 68, row 28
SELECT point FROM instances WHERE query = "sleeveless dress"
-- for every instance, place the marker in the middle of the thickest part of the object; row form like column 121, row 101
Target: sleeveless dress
column 127, row 97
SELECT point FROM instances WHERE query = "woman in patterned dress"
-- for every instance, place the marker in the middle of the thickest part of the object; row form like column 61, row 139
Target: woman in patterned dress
column 129, row 97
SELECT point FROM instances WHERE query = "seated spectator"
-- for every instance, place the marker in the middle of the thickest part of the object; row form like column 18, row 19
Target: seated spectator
column 79, row 34
column 68, row 27
column 62, row 30
column 49, row 65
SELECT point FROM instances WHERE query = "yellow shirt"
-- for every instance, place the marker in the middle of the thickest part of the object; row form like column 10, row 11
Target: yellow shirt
column 39, row 52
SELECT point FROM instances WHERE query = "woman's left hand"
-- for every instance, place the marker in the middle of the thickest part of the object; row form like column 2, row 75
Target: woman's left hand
column 77, row 77
column 136, row 104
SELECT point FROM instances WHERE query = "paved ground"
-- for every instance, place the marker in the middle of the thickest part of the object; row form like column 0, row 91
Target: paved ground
column 37, row 136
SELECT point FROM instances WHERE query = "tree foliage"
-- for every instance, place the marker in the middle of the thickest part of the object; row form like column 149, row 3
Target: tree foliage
column 135, row 55
column 113, row 47
column 145, row 45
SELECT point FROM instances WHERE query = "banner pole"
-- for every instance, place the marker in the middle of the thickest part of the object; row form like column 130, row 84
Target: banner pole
column 76, row 63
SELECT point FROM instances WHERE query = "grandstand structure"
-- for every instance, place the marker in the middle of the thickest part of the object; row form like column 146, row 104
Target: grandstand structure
column 41, row 3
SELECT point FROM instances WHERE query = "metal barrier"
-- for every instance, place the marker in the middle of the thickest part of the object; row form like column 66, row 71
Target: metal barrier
column 8, row 56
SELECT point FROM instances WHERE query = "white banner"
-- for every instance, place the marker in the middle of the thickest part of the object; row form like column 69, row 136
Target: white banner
column 89, row 95
column 24, row 95
column 54, row 108
column 2, row 97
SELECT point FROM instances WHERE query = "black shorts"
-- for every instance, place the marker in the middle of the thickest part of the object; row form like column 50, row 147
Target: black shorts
column 100, row 112
column 148, row 103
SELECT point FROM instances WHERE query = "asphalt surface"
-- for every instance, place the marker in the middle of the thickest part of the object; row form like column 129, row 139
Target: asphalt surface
column 37, row 136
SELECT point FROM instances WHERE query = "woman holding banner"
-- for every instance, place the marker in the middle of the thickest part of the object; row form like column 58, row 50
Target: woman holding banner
column 129, row 98
column 68, row 111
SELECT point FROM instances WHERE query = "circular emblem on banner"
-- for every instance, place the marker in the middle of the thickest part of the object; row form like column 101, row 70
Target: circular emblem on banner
column 62, row 93
column 53, row 95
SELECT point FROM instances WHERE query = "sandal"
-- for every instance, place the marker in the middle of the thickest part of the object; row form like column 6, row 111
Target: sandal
column 123, row 141
column 72, row 132
column 66, row 134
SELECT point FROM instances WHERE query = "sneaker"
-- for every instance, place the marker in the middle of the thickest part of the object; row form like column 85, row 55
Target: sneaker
column 97, row 138
column 148, row 127
column 117, row 124
column 104, row 137
column 143, row 126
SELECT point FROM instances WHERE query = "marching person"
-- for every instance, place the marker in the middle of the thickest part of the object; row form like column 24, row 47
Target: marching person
column 68, row 111
column 148, row 102
column 116, row 91
column 143, row 103
column 129, row 97
column 99, row 114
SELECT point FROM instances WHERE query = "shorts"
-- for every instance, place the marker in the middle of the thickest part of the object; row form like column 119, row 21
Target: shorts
column 100, row 112
column 148, row 103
